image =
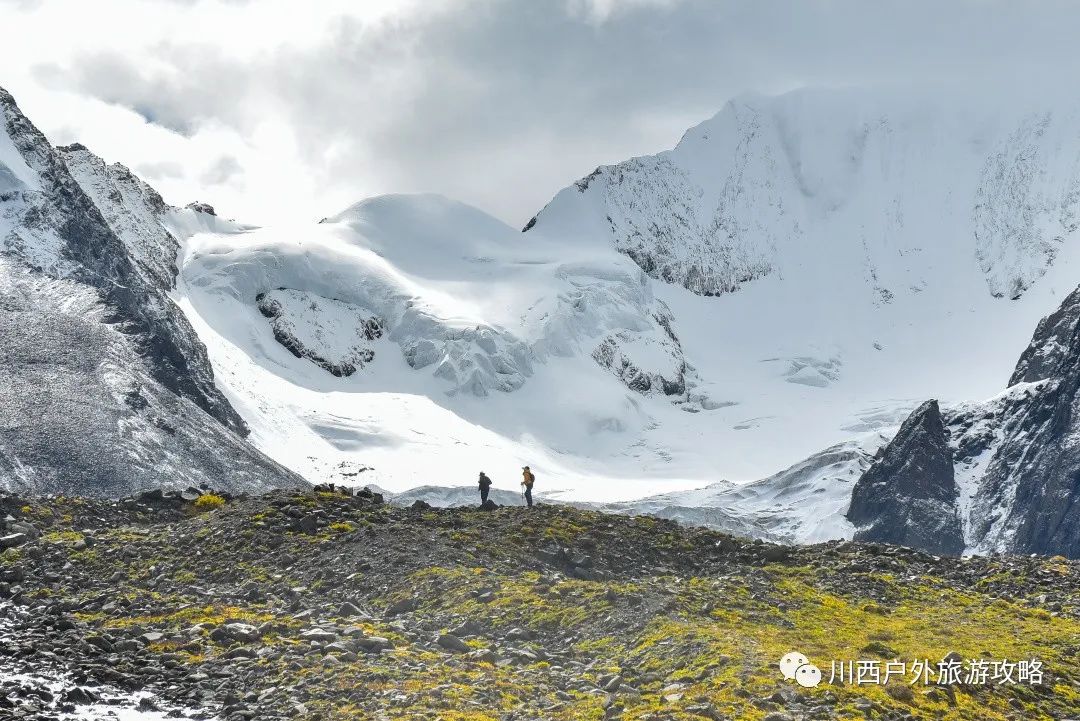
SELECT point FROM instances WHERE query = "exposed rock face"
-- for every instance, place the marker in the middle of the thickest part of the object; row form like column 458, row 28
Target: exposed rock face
column 1010, row 470
column 61, row 230
column 649, row 361
column 908, row 496
column 200, row 207
column 670, row 381
column 132, row 209
column 333, row 335
column 1049, row 351
column 104, row 386
column 1027, row 492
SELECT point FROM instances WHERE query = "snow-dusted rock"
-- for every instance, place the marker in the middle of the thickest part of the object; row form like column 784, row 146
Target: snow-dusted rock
column 1014, row 458
column 200, row 207
column 1049, row 352
column 336, row 336
column 908, row 496
column 104, row 386
column 133, row 210
column 647, row 361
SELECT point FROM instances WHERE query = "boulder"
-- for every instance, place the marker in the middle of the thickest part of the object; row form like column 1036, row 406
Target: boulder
column 452, row 643
column 13, row 540
column 235, row 632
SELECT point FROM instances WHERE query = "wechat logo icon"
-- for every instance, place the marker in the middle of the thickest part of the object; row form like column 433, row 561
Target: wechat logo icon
column 796, row 667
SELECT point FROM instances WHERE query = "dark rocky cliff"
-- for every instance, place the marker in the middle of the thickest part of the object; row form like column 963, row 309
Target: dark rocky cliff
column 1018, row 453
column 908, row 496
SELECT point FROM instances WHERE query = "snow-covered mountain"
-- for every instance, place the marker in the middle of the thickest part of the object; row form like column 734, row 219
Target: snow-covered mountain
column 832, row 258
column 900, row 190
column 798, row 274
column 806, row 503
column 413, row 339
column 105, row 388
column 993, row 476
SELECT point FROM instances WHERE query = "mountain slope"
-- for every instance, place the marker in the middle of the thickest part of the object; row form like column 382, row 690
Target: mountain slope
column 805, row 503
column 344, row 608
column 993, row 476
column 57, row 228
column 785, row 185
column 908, row 495
column 832, row 258
column 106, row 387
column 413, row 339
column 799, row 271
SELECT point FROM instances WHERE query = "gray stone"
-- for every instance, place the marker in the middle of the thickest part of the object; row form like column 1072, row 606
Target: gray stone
column 452, row 643
column 319, row 634
column 13, row 540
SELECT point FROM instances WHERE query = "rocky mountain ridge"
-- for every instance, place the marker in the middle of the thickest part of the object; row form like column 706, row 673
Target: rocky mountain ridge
column 905, row 497
column 106, row 386
column 1014, row 455
column 769, row 182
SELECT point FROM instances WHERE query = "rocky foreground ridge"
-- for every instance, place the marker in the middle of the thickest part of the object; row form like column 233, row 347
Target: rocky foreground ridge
column 332, row 605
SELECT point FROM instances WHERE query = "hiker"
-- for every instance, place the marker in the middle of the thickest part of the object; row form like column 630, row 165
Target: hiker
column 485, row 487
column 527, row 480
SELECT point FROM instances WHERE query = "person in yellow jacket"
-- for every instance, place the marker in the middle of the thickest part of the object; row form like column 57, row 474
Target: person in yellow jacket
column 527, row 480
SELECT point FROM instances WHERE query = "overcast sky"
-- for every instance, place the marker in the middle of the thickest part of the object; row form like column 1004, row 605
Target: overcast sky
column 278, row 110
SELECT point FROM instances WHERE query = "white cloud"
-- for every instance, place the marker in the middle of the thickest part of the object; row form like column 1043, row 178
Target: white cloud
column 598, row 11
column 496, row 102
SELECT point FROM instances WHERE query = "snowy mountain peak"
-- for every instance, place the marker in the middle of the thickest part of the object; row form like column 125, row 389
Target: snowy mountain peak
column 891, row 186
column 1051, row 347
column 1013, row 458
column 21, row 140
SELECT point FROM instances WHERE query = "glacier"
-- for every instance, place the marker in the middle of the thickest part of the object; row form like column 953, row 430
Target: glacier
column 801, row 271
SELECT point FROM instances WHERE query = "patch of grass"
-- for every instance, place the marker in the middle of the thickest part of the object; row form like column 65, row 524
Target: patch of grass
column 209, row 501
column 213, row 614
column 927, row 623
column 64, row 537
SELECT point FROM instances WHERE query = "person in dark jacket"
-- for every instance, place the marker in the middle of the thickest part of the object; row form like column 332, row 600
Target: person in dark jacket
column 485, row 487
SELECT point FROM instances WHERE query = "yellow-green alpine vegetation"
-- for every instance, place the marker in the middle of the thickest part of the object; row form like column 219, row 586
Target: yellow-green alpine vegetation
column 334, row 605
